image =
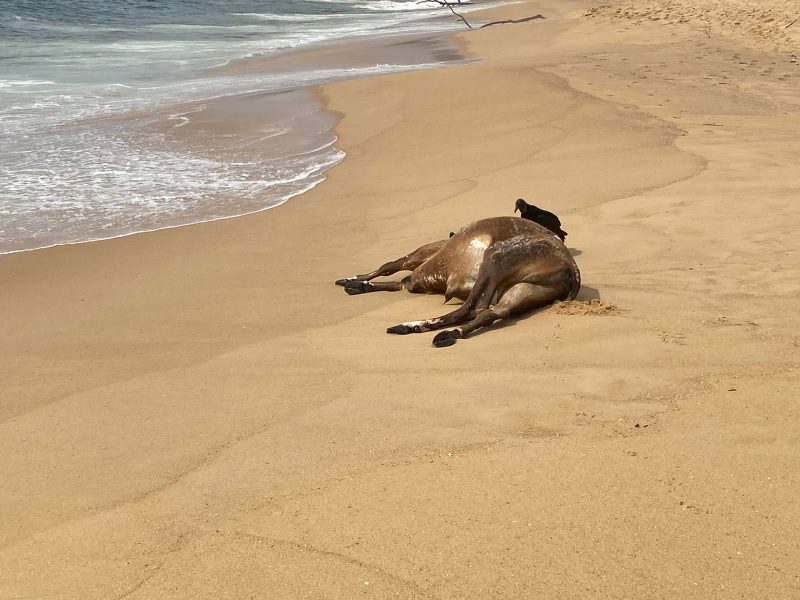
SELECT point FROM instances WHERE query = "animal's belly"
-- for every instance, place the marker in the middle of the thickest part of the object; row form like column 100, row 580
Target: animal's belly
column 464, row 267
column 454, row 270
column 468, row 262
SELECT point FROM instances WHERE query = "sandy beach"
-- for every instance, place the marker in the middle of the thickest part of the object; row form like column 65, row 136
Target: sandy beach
column 200, row 413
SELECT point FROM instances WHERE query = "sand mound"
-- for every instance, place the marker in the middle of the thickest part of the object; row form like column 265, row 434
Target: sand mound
column 591, row 307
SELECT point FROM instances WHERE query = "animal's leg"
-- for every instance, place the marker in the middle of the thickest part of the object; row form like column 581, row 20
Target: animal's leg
column 478, row 299
column 518, row 299
column 461, row 314
column 409, row 262
column 356, row 286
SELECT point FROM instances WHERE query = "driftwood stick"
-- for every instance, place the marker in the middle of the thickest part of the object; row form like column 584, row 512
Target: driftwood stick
column 449, row 5
column 525, row 20
column 792, row 23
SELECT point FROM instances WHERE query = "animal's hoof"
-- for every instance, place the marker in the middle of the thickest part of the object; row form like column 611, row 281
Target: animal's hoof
column 446, row 338
column 355, row 286
column 344, row 281
column 400, row 329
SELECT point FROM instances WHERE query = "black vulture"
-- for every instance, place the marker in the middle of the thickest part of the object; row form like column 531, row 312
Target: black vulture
column 540, row 216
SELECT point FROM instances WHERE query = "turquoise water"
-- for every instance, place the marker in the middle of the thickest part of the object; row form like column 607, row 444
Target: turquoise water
column 69, row 174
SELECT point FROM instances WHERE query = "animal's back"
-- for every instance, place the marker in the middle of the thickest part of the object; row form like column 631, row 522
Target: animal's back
column 502, row 228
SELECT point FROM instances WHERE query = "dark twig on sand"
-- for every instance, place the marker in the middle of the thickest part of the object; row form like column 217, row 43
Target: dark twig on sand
column 526, row 19
column 449, row 5
column 792, row 23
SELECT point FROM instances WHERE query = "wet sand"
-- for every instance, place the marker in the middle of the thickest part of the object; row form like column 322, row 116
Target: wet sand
column 201, row 413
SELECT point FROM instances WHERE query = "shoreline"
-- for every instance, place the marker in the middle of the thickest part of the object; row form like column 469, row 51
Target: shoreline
column 161, row 121
column 200, row 413
column 405, row 50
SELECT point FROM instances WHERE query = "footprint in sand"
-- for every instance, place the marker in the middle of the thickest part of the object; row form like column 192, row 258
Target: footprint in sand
column 672, row 338
column 728, row 322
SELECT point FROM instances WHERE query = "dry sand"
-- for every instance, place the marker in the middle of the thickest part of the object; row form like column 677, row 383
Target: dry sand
column 200, row 413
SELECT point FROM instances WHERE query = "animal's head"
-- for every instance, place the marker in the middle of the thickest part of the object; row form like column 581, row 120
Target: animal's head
column 520, row 206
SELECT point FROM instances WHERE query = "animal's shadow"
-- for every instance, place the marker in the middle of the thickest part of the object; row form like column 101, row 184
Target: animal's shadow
column 587, row 293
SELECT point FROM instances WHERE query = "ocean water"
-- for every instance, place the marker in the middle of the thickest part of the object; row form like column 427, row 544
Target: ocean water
column 79, row 162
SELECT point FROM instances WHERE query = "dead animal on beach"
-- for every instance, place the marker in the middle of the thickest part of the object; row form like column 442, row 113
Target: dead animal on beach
column 538, row 215
column 500, row 267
